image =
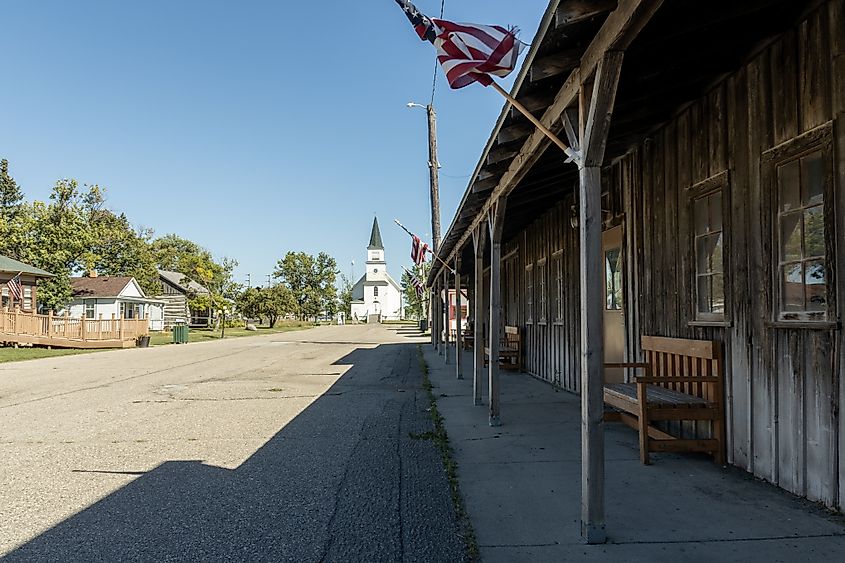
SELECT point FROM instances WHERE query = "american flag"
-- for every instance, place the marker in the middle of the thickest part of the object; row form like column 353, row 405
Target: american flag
column 419, row 286
column 467, row 52
column 15, row 287
column 418, row 250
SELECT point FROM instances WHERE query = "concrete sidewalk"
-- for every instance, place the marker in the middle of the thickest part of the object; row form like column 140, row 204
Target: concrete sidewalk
column 521, row 483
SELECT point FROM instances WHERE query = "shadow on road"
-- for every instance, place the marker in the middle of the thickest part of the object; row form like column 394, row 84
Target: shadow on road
column 346, row 480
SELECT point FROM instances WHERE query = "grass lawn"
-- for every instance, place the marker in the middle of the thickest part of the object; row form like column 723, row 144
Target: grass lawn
column 19, row 354
column 204, row 335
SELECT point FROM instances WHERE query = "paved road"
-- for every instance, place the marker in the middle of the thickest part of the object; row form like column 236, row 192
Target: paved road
column 285, row 447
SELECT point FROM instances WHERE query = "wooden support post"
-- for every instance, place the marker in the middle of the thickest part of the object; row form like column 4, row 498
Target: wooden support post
column 479, row 237
column 120, row 329
column 100, row 327
column 458, row 337
column 596, row 105
column 50, row 323
column 15, row 326
column 446, row 323
column 67, row 324
column 83, row 327
column 495, row 221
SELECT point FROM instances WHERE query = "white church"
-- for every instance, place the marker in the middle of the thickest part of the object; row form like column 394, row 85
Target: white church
column 376, row 296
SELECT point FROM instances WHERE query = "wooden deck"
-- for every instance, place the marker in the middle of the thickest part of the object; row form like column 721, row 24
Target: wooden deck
column 18, row 327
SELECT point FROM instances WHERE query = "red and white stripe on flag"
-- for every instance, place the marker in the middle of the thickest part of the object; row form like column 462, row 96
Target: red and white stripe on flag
column 15, row 287
column 471, row 52
column 418, row 250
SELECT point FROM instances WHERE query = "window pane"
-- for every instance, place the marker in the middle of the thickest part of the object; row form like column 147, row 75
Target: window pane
column 814, row 231
column 815, row 285
column 790, row 236
column 792, row 288
column 704, row 295
column 709, row 253
column 812, row 178
column 715, row 211
column 613, row 278
column 718, row 293
column 702, row 220
column 789, row 187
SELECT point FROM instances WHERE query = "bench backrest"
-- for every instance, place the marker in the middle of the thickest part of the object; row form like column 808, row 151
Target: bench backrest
column 679, row 357
column 511, row 337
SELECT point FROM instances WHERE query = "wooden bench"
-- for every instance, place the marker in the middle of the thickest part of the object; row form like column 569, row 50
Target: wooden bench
column 510, row 350
column 682, row 381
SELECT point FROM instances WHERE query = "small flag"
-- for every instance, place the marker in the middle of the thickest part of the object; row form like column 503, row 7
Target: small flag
column 467, row 52
column 15, row 287
column 418, row 250
column 419, row 286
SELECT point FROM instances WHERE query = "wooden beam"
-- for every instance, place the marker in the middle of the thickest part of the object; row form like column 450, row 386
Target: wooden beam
column 601, row 108
column 495, row 223
column 533, row 103
column 574, row 11
column 553, row 65
column 459, row 373
column 485, row 185
column 515, row 132
column 446, row 307
column 501, row 153
column 479, row 237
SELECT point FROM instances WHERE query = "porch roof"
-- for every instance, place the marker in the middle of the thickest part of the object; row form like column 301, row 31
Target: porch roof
column 12, row 266
column 684, row 50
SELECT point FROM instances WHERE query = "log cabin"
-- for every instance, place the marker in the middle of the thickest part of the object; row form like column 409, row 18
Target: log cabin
column 707, row 202
column 29, row 276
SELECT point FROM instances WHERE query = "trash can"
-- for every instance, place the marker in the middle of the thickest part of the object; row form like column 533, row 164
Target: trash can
column 180, row 334
column 423, row 325
column 143, row 341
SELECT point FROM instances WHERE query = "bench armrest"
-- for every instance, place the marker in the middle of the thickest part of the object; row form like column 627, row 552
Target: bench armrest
column 684, row 379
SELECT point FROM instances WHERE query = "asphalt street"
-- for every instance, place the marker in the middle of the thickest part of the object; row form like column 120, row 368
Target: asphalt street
column 302, row 446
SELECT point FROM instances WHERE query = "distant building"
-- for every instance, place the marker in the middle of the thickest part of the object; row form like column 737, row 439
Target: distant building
column 176, row 290
column 9, row 268
column 105, row 297
column 376, row 296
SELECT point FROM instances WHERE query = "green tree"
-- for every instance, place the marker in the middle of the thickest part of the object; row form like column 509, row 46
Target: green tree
column 311, row 281
column 120, row 250
column 415, row 307
column 272, row 303
column 13, row 214
column 60, row 236
column 345, row 296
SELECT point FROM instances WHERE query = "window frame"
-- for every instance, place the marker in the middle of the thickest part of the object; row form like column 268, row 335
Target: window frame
column 718, row 183
column 542, row 288
column 27, row 301
column 819, row 139
column 557, row 262
column 85, row 304
column 529, row 294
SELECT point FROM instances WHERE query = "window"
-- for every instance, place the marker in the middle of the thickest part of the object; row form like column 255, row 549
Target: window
column 5, row 293
column 375, row 291
column 529, row 293
column 541, row 290
column 801, row 235
column 27, row 298
column 709, row 256
column 613, row 278
column 557, row 262
column 89, row 308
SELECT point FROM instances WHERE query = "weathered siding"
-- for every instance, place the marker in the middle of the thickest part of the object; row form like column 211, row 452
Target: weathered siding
column 783, row 388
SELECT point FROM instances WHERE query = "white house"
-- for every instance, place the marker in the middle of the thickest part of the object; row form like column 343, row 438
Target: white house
column 376, row 296
column 96, row 297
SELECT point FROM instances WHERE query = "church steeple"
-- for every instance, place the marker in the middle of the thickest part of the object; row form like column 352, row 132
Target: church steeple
column 375, row 237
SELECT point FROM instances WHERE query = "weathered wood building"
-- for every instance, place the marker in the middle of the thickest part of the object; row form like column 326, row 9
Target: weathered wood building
column 722, row 211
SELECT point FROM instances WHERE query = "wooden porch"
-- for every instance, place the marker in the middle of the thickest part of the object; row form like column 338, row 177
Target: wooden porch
column 18, row 327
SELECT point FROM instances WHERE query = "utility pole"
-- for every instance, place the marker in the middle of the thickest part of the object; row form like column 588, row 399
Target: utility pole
column 248, row 281
column 268, row 281
column 433, row 166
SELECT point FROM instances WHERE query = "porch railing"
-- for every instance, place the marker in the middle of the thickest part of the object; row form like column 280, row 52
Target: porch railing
column 63, row 327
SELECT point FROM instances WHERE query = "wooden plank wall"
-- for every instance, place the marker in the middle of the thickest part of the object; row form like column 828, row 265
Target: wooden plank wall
column 783, row 387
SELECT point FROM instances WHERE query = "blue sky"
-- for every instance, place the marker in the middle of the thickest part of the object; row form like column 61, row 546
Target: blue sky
column 251, row 127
